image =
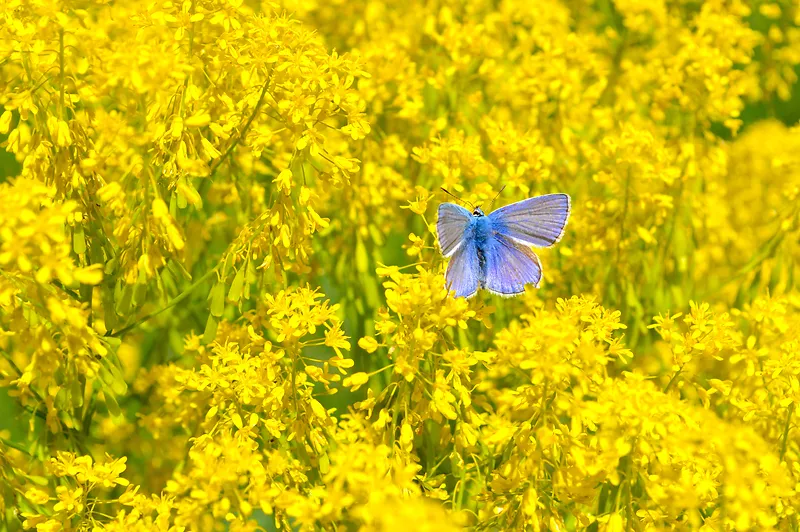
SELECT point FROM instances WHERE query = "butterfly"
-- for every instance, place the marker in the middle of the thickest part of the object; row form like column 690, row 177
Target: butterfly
column 493, row 252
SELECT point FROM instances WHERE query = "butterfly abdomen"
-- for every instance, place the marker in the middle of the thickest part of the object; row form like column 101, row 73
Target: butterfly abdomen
column 482, row 234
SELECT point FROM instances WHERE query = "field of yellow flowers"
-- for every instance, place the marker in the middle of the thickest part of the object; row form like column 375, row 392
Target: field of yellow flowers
column 222, row 302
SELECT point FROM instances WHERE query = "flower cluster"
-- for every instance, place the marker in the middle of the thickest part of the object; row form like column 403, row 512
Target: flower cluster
column 223, row 306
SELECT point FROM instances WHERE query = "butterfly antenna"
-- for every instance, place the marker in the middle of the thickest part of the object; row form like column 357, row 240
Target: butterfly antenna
column 456, row 197
column 497, row 196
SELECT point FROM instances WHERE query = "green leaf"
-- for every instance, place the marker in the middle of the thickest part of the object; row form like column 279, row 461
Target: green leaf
column 173, row 205
column 211, row 330
column 36, row 479
column 124, row 305
column 109, row 315
column 118, row 384
column 112, row 341
column 139, row 292
column 182, row 203
column 178, row 270
column 218, row 299
column 75, row 394
column 176, row 341
column 111, row 404
column 250, row 278
column 755, row 286
column 111, row 266
column 112, row 379
column 168, row 281
column 235, row 292
column 324, row 464
column 362, row 260
column 78, row 240
column 371, row 292
column 775, row 274
column 376, row 234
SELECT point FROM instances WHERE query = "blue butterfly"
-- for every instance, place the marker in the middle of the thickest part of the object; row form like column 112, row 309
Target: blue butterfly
column 493, row 252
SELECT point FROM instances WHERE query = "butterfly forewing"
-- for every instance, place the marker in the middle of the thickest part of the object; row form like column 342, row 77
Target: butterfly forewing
column 453, row 221
column 510, row 266
column 538, row 221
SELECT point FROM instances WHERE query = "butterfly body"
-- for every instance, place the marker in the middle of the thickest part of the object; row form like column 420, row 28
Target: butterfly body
column 492, row 251
column 480, row 230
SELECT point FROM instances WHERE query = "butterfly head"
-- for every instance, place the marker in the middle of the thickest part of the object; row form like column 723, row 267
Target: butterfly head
column 478, row 212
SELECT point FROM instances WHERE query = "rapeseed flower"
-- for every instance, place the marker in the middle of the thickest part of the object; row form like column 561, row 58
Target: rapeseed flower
column 222, row 306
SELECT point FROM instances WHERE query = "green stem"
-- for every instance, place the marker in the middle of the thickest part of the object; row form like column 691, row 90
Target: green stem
column 624, row 215
column 764, row 253
column 61, row 72
column 395, row 417
column 16, row 446
column 294, row 389
column 672, row 380
column 243, row 132
column 177, row 299
column 14, row 366
column 785, row 439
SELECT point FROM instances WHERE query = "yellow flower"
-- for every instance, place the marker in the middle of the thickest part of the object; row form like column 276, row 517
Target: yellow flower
column 368, row 344
column 335, row 338
column 69, row 501
column 203, row 202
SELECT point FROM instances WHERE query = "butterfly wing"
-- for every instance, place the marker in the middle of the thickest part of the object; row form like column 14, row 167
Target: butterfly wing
column 453, row 221
column 463, row 272
column 538, row 221
column 510, row 266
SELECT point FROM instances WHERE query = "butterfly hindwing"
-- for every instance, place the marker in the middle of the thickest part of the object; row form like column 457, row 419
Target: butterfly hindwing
column 463, row 271
column 538, row 221
column 509, row 266
column 453, row 221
